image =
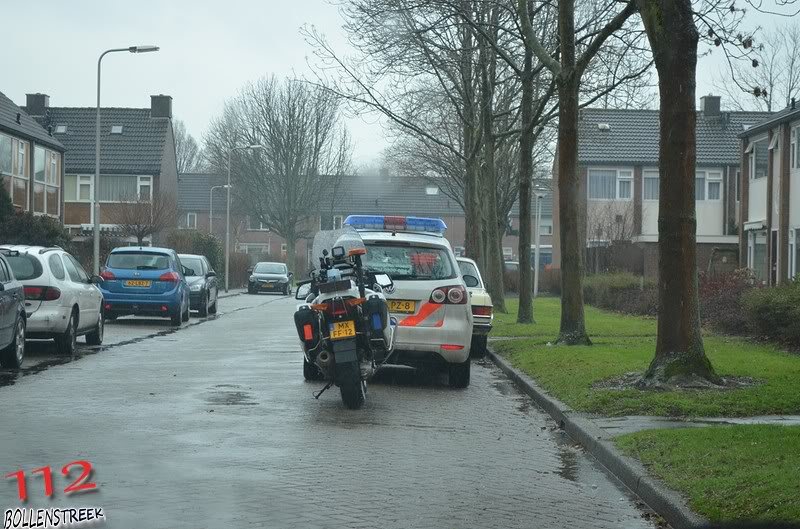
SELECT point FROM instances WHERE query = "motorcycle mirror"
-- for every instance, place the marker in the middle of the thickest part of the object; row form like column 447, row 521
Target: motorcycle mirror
column 325, row 253
column 302, row 292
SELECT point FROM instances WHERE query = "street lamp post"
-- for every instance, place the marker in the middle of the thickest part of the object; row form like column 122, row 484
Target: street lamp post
column 228, row 213
column 96, row 194
column 211, row 208
column 539, row 197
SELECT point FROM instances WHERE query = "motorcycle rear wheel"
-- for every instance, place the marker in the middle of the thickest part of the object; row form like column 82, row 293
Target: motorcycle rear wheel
column 354, row 393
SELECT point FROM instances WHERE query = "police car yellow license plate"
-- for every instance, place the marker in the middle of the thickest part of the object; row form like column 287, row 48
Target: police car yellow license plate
column 403, row 306
column 343, row 329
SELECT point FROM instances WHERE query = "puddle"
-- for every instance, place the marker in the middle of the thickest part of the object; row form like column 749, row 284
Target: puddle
column 568, row 465
column 230, row 398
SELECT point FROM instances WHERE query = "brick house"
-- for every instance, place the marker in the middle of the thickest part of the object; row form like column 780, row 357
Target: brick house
column 31, row 162
column 770, row 196
column 137, row 156
column 619, row 182
column 353, row 195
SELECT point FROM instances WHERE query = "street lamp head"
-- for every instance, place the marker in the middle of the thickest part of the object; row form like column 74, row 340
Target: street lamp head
column 143, row 49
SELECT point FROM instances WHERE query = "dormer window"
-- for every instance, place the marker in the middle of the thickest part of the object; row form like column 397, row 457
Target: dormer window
column 603, row 126
column 432, row 190
column 116, row 129
column 61, row 129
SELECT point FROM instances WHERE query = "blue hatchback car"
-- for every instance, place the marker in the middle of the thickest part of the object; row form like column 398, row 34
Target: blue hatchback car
column 145, row 281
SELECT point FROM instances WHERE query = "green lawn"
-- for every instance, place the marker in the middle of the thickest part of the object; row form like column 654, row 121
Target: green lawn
column 625, row 344
column 727, row 472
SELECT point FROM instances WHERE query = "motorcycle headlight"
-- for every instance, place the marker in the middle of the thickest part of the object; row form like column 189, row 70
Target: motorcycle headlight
column 196, row 287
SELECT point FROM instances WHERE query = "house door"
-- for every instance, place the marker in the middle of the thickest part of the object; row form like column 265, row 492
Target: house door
column 773, row 259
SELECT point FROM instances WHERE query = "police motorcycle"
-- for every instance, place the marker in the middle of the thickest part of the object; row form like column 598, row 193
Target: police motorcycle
column 343, row 322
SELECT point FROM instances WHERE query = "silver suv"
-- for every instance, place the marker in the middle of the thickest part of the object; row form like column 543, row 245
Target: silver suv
column 61, row 300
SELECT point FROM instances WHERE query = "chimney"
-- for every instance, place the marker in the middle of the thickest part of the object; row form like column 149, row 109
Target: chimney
column 161, row 106
column 36, row 104
column 709, row 105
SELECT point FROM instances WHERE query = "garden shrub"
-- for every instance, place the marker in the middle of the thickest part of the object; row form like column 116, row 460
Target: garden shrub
column 30, row 229
column 774, row 313
column 198, row 243
column 623, row 292
column 721, row 300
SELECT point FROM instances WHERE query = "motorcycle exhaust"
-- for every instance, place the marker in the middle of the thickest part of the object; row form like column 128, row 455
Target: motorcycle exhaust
column 324, row 360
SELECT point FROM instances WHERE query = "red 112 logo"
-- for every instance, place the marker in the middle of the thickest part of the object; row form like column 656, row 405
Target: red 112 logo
column 80, row 484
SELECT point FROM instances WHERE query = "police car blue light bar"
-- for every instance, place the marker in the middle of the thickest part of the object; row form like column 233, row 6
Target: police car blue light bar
column 396, row 223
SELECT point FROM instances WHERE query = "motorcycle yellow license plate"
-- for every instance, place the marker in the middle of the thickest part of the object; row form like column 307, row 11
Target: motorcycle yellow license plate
column 403, row 306
column 343, row 329
column 137, row 283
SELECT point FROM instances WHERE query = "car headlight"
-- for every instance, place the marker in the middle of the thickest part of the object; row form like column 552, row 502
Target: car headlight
column 196, row 287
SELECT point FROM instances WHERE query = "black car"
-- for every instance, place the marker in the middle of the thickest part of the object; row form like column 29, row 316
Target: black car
column 270, row 277
column 202, row 281
column 12, row 317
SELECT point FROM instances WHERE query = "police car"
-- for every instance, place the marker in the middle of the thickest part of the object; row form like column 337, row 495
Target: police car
column 428, row 300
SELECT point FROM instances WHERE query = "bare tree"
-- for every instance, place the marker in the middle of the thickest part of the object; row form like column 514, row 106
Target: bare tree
column 187, row 152
column 771, row 79
column 141, row 217
column 305, row 151
column 610, row 221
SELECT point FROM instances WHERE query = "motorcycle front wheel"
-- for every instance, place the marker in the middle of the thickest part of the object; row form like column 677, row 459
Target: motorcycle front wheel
column 354, row 392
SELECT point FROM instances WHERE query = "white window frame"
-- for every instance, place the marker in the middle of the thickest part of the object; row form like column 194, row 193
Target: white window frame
column 341, row 221
column 620, row 171
column 191, row 220
column 13, row 175
column 80, row 181
column 645, row 173
column 141, row 181
column 710, row 176
column 751, row 150
column 21, row 156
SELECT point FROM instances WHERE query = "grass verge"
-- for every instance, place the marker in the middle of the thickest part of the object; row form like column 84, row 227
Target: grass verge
column 742, row 473
column 624, row 344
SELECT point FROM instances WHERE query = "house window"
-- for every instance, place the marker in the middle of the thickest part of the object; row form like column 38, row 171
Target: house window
column 46, row 182
column 144, row 188
column 12, row 163
column 759, row 156
column 796, row 147
column 337, row 222
column 545, row 229
column 191, row 221
column 738, row 186
column 256, row 225
column 61, row 129
column 431, row 190
column 508, row 253
column 77, row 188
column 610, row 184
column 116, row 129
column 792, row 270
column 650, row 185
column 283, row 250
column 708, row 185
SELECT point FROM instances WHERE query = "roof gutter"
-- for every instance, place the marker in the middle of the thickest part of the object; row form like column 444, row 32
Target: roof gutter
column 765, row 126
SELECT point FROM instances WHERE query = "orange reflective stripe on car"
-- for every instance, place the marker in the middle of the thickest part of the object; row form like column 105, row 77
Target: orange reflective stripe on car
column 424, row 312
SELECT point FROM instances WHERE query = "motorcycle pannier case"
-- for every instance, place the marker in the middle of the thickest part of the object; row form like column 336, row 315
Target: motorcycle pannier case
column 307, row 323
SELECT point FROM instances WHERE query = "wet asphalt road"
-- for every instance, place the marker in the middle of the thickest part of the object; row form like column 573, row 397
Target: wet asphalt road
column 213, row 426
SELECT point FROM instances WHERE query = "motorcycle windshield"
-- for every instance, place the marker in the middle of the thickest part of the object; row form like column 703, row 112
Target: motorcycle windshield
column 347, row 237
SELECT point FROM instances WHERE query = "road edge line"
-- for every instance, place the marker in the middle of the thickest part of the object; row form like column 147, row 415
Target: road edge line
column 666, row 502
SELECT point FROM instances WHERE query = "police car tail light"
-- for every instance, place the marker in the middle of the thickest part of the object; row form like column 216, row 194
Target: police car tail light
column 454, row 295
column 482, row 311
column 396, row 223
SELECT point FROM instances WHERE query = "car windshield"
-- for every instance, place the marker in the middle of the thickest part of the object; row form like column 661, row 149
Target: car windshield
column 270, row 268
column 469, row 269
column 24, row 266
column 194, row 264
column 409, row 262
column 138, row 261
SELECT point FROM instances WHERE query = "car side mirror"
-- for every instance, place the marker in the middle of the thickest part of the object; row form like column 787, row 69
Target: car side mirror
column 471, row 281
column 250, row 270
column 290, row 275
column 211, row 273
column 95, row 280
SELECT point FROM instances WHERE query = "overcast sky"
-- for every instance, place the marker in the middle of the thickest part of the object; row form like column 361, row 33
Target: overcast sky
column 209, row 49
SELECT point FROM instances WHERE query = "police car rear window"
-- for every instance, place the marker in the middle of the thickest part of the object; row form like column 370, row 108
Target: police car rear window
column 409, row 262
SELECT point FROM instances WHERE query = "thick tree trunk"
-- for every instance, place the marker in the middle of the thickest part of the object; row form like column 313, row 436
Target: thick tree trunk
column 680, row 357
column 573, row 326
column 291, row 245
column 472, row 215
column 525, row 311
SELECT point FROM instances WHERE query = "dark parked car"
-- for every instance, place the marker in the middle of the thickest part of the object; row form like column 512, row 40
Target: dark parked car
column 145, row 281
column 202, row 281
column 12, row 317
column 270, row 277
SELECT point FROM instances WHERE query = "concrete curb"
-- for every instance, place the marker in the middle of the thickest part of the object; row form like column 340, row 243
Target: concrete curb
column 231, row 293
column 664, row 501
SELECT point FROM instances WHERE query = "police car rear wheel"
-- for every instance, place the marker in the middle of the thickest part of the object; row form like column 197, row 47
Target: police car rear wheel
column 459, row 374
